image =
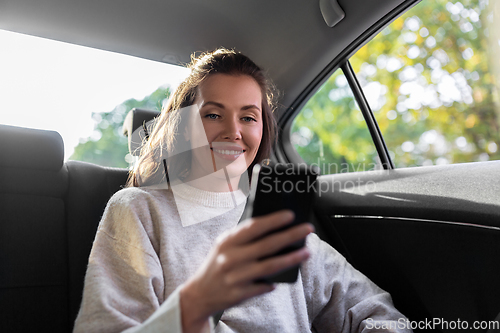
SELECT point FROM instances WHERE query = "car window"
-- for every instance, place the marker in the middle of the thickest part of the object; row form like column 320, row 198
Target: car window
column 80, row 92
column 330, row 130
column 432, row 81
column 431, row 78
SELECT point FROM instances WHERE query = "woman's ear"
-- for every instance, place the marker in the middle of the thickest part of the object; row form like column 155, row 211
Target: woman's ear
column 186, row 134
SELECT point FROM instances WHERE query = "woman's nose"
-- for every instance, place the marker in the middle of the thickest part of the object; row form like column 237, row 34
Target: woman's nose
column 231, row 129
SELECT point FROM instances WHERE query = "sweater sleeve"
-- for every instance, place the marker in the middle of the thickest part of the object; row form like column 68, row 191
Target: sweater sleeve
column 124, row 285
column 343, row 299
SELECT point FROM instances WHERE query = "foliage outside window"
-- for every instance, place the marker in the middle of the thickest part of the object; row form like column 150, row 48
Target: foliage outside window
column 330, row 131
column 108, row 146
column 432, row 78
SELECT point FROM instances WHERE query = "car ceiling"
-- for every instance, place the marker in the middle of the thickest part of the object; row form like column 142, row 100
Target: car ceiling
column 288, row 38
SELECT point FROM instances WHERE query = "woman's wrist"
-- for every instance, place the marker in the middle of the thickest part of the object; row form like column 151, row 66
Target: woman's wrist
column 193, row 317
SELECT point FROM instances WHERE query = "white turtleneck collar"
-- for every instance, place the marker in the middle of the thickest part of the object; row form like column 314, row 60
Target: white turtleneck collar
column 196, row 206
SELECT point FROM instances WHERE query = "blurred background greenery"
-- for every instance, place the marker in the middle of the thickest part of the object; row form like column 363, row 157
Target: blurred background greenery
column 108, row 146
column 432, row 80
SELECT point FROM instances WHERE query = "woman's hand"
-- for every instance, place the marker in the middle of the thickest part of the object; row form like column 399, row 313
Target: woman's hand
column 227, row 276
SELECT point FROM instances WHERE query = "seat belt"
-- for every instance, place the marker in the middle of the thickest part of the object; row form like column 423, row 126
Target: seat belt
column 217, row 317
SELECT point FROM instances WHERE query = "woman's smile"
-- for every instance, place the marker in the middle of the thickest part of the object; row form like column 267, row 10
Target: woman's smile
column 226, row 151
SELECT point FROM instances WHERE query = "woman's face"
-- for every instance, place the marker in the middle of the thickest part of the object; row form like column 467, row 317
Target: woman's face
column 230, row 110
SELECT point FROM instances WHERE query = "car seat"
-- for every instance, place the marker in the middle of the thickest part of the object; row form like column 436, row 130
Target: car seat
column 49, row 212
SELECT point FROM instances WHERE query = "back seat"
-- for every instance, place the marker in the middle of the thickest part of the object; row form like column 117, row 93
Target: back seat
column 49, row 212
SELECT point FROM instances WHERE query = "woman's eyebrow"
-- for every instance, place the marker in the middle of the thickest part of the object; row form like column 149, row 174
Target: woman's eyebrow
column 251, row 106
column 219, row 105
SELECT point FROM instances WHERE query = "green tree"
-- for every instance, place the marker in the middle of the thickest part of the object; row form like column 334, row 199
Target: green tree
column 108, row 146
column 330, row 131
column 428, row 79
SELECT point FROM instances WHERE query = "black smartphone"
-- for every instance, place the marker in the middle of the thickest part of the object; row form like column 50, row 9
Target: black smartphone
column 278, row 186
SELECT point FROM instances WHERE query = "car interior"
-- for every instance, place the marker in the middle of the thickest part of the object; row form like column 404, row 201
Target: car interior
column 429, row 235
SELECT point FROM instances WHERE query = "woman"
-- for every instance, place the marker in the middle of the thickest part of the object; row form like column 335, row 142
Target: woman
column 168, row 254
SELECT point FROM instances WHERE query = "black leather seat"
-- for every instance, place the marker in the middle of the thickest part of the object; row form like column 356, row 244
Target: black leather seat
column 49, row 212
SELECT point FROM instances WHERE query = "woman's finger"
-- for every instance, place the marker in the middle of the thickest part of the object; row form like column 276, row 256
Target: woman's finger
column 275, row 242
column 249, row 290
column 257, row 227
column 270, row 266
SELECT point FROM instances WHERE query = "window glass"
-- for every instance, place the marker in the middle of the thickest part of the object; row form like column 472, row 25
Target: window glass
column 432, row 80
column 82, row 93
column 330, row 130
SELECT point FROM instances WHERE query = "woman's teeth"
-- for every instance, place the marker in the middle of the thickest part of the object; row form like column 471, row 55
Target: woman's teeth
column 228, row 152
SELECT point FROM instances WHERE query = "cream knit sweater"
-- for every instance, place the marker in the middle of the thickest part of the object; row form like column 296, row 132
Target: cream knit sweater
column 144, row 251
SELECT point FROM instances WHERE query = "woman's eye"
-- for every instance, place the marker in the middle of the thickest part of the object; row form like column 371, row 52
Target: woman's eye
column 248, row 119
column 212, row 116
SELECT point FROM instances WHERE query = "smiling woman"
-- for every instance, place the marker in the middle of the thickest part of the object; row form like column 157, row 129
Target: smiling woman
column 46, row 84
column 174, row 232
column 199, row 91
column 230, row 111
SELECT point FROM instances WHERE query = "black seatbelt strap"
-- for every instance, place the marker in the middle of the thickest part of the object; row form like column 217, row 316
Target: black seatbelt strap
column 217, row 317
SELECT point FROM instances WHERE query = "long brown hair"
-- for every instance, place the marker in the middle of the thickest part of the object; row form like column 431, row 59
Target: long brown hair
column 169, row 126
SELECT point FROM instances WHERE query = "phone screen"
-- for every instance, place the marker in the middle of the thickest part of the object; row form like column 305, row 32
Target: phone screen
column 283, row 186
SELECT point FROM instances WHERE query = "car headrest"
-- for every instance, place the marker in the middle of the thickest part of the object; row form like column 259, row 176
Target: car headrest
column 134, row 126
column 30, row 148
